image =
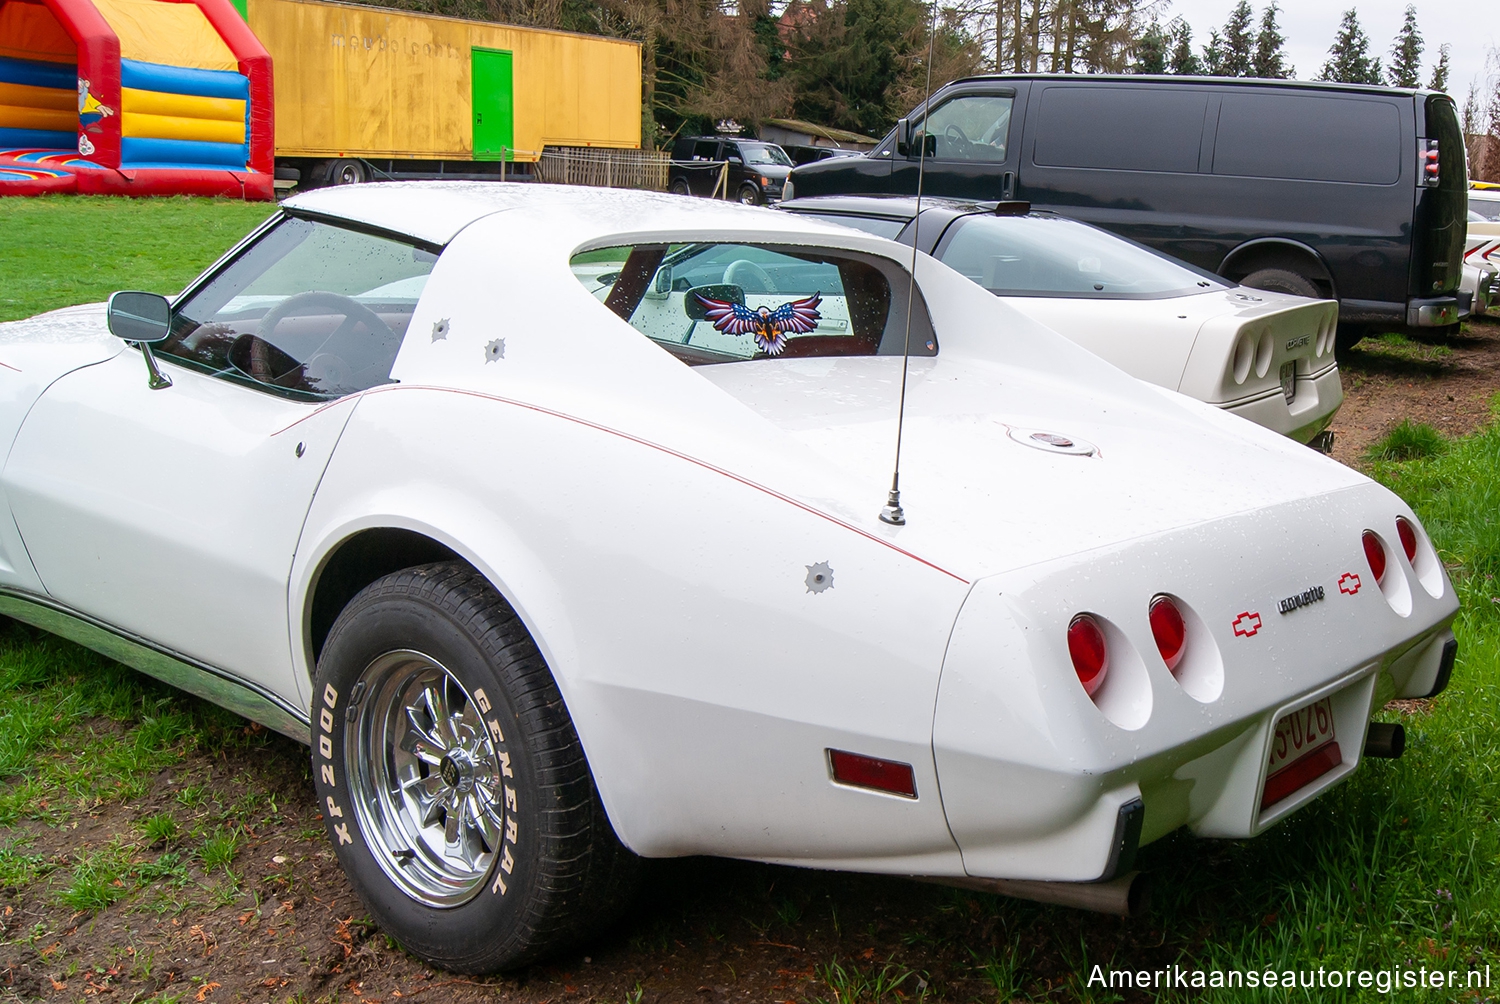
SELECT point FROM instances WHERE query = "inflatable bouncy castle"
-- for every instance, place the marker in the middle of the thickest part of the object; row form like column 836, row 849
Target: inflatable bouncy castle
column 133, row 97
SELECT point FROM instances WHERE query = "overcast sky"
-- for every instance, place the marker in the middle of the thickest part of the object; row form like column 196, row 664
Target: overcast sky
column 1468, row 26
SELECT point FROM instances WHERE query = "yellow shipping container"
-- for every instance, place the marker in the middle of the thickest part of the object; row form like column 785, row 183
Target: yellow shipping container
column 355, row 81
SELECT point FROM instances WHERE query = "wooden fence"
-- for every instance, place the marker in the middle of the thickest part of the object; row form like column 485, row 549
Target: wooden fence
column 604, row 168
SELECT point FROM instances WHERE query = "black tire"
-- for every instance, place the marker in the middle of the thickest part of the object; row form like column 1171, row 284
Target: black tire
column 749, row 195
column 1281, row 280
column 347, row 172
column 680, row 187
column 556, row 872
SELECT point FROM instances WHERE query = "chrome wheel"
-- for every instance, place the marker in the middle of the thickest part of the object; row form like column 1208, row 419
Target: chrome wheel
column 424, row 777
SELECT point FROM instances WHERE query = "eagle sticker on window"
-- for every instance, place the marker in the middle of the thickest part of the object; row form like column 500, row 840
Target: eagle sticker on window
column 770, row 327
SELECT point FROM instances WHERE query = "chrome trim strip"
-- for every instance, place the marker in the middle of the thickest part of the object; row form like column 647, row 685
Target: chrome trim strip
column 244, row 698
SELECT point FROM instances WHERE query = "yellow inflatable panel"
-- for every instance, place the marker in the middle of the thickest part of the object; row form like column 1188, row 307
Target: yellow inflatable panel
column 172, row 127
column 26, row 96
column 172, row 34
column 183, row 106
column 12, row 117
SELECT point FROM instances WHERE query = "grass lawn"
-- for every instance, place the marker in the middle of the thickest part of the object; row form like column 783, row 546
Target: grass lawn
column 1398, row 867
column 59, row 250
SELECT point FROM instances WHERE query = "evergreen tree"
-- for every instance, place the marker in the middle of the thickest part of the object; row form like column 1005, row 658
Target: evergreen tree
column 1213, row 54
column 1151, row 51
column 1406, row 53
column 1239, row 41
column 849, row 58
column 1349, row 59
column 1439, row 81
column 1270, row 55
column 1183, row 61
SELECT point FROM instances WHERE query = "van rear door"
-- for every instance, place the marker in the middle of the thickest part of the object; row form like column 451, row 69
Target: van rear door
column 1442, row 209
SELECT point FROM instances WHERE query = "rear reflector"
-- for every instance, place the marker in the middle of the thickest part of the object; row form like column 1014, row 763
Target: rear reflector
column 1301, row 773
column 869, row 772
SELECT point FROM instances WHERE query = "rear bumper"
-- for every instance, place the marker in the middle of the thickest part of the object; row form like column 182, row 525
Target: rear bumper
column 1437, row 312
column 1308, row 413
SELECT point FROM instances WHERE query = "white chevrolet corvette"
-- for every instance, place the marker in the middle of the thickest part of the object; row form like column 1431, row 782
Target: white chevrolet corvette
column 1265, row 356
column 562, row 547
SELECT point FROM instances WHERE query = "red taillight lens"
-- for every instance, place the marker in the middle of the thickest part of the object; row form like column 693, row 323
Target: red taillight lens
column 1090, row 658
column 1431, row 164
column 1375, row 555
column 1168, row 629
column 1408, row 535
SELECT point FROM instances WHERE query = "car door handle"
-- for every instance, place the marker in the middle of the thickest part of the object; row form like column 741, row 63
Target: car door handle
column 1007, row 186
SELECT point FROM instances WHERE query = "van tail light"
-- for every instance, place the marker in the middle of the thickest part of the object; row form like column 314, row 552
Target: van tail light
column 1375, row 555
column 1430, row 166
column 1090, row 657
column 1169, row 630
column 1408, row 535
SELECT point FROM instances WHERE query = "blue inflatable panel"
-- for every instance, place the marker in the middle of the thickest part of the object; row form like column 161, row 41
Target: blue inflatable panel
column 39, row 139
column 181, row 80
column 137, row 151
column 33, row 74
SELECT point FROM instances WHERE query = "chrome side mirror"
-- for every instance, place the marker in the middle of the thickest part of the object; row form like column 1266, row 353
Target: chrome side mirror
column 141, row 319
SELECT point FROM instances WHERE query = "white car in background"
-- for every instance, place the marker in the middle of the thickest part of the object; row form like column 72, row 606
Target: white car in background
column 561, row 546
column 1265, row 356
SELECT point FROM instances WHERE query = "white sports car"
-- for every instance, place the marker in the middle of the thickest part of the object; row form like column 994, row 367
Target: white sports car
column 1265, row 356
column 561, row 546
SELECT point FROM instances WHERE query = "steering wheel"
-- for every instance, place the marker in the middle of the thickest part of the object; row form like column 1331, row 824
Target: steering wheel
column 961, row 142
column 328, row 362
column 742, row 269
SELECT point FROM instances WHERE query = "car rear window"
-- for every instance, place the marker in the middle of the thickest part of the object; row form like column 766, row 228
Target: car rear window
column 717, row 303
column 1309, row 137
column 1120, row 128
column 1049, row 256
column 880, row 226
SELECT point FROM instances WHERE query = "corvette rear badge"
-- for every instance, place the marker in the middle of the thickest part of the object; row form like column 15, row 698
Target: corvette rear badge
column 1246, row 625
column 1313, row 594
column 1349, row 583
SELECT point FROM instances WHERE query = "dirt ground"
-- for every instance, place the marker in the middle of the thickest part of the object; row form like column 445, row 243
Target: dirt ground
column 1446, row 383
column 281, row 924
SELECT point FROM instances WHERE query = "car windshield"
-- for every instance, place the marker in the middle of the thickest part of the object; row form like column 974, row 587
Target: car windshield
column 1048, row 256
column 1488, row 209
column 764, row 153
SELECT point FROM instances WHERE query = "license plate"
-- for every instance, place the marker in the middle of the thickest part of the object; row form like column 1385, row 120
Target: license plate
column 1289, row 381
column 1303, row 749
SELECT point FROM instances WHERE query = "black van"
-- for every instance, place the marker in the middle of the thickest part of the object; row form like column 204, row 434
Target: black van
column 756, row 170
column 1332, row 190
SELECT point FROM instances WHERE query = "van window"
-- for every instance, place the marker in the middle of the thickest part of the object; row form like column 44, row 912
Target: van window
column 706, row 150
column 1307, row 137
column 1121, row 128
column 971, row 127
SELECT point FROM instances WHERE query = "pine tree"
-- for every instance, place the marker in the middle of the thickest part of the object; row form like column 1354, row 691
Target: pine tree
column 1439, row 81
column 1349, row 59
column 1239, row 41
column 1213, row 54
column 1406, row 53
column 1183, row 60
column 1151, row 50
column 1270, row 56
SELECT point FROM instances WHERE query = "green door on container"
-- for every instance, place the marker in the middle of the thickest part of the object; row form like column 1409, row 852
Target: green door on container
column 493, row 104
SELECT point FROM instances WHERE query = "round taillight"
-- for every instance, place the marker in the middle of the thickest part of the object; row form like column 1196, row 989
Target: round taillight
column 1168, row 629
column 1408, row 535
column 1375, row 555
column 1090, row 658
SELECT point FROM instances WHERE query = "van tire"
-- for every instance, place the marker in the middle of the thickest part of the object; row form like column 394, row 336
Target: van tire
column 680, row 187
column 437, row 643
column 1281, row 280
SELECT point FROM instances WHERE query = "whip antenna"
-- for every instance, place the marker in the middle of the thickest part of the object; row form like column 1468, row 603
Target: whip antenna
column 892, row 513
